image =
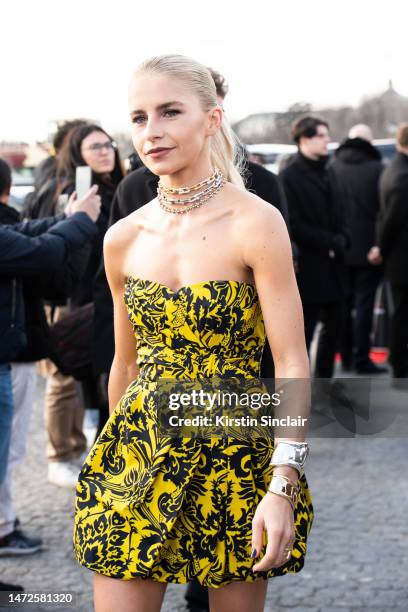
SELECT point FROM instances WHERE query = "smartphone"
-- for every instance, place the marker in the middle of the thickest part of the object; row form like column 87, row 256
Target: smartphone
column 83, row 176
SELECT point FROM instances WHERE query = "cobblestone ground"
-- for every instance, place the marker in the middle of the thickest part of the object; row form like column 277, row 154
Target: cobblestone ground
column 357, row 555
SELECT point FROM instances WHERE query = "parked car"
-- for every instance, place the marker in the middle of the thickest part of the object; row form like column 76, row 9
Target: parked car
column 386, row 147
column 269, row 155
column 275, row 156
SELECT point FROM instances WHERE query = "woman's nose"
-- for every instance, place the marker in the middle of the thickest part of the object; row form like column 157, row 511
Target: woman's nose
column 153, row 130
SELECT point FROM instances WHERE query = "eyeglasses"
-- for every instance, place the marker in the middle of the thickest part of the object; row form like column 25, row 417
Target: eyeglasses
column 99, row 146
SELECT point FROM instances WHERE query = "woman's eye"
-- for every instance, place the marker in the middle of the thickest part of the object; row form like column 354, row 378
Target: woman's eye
column 138, row 119
column 170, row 112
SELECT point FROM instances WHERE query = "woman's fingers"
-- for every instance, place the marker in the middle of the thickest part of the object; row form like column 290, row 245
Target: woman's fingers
column 272, row 554
column 93, row 190
column 279, row 543
column 257, row 537
column 72, row 197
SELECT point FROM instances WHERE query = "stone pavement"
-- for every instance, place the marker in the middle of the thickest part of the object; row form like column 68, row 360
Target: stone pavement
column 358, row 546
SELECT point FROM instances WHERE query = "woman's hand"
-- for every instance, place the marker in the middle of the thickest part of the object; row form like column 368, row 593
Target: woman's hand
column 274, row 514
column 89, row 204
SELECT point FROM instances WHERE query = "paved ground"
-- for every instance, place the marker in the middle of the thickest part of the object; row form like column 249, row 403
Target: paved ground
column 357, row 557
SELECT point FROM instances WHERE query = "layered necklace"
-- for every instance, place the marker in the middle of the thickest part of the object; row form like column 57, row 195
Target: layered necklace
column 200, row 193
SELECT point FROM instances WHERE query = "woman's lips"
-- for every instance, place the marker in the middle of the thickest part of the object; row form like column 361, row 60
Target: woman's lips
column 159, row 153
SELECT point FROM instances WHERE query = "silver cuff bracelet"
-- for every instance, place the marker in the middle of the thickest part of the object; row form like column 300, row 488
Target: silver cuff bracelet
column 293, row 454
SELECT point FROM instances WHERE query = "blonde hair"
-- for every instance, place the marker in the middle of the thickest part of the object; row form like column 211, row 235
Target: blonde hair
column 225, row 152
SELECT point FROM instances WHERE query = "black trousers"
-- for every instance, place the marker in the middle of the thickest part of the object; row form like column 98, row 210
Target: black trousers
column 399, row 331
column 362, row 286
column 331, row 315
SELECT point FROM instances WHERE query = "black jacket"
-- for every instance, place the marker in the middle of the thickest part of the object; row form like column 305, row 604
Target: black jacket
column 394, row 219
column 318, row 225
column 358, row 167
column 138, row 188
column 28, row 249
column 57, row 285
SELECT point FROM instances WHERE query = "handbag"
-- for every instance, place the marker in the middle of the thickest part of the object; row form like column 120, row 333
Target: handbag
column 72, row 338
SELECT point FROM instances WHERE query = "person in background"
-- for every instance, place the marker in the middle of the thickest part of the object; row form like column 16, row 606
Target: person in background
column 393, row 249
column 318, row 226
column 358, row 167
column 66, row 436
column 42, row 198
column 29, row 250
column 85, row 145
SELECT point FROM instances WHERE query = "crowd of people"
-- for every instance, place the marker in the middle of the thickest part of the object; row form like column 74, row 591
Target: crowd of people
column 347, row 217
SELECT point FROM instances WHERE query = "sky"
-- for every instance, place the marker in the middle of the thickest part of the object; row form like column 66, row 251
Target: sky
column 64, row 59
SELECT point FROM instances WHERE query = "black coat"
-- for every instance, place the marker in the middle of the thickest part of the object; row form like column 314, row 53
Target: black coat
column 318, row 226
column 57, row 285
column 393, row 236
column 136, row 190
column 27, row 250
column 358, row 167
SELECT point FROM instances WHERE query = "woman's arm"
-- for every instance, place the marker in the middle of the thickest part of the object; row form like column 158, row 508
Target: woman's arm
column 267, row 252
column 124, row 368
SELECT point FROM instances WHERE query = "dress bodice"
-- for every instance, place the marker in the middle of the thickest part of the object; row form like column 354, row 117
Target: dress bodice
column 206, row 329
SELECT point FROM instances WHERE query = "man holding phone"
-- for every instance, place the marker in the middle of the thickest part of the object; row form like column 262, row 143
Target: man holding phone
column 27, row 250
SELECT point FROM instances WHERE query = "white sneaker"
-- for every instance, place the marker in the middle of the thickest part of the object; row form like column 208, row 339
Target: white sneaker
column 63, row 473
column 90, row 426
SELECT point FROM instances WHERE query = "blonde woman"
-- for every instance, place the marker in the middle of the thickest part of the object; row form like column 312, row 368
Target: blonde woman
column 197, row 275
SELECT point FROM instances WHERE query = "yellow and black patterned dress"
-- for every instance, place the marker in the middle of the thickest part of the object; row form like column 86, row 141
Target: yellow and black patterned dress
column 170, row 509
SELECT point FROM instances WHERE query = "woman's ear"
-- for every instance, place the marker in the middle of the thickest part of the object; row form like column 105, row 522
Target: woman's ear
column 215, row 119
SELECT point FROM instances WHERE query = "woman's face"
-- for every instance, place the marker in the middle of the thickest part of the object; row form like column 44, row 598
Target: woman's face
column 98, row 152
column 170, row 130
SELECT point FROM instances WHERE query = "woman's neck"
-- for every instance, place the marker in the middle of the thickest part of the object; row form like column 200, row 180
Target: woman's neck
column 187, row 177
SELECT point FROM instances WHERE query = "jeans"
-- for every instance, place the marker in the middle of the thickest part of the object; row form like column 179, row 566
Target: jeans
column 24, row 379
column 6, row 417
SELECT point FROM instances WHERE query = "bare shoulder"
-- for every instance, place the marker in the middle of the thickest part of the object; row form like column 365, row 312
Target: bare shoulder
column 261, row 235
column 118, row 240
column 126, row 229
column 256, row 219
